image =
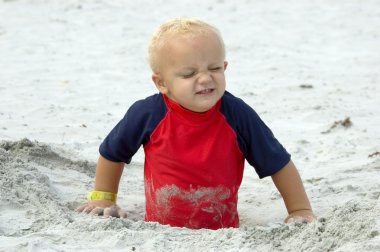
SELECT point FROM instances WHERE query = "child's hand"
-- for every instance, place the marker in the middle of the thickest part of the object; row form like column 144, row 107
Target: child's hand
column 104, row 208
column 300, row 216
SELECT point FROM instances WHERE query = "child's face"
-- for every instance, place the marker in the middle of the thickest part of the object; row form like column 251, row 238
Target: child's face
column 192, row 71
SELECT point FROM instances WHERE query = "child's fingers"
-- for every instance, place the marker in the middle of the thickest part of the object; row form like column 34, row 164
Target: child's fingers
column 80, row 208
column 122, row 214
column 114, row 211
column 85, row 208
column 111, row 211
column 88, row 209
column 97, row 211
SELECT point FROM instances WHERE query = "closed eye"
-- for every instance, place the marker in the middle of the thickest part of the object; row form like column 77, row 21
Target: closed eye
column 189, row 75
column 215, row 69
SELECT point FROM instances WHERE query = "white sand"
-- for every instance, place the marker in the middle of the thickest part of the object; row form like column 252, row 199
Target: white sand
column 70, row 69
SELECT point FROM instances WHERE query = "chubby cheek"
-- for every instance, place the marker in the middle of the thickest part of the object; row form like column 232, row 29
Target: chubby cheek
column 178, row 91
column 221, row 79
column 222, row 82
column 184, row 88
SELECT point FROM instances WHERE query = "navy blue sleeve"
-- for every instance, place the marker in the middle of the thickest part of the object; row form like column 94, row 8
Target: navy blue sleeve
column 134, row 129
column 262, row 150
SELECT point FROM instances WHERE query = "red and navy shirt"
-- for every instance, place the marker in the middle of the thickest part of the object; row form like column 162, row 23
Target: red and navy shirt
column 194, row 161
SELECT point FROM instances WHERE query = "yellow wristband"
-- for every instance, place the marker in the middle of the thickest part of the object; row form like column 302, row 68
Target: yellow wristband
column 99, row 195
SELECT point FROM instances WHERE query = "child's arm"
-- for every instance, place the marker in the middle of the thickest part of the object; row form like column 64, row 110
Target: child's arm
column 107, row 179
column 289, row 184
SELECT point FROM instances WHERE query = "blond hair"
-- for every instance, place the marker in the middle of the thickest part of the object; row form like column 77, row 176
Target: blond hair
column 182, row 27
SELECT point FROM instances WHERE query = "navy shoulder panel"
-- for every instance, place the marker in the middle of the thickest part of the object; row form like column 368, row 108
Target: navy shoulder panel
column 134, row 129
column 261, row 149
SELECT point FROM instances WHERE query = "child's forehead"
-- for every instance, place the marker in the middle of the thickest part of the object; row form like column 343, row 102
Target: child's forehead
column 188, row 37
column 181, row 52
column 190, row 44
column 186, row 31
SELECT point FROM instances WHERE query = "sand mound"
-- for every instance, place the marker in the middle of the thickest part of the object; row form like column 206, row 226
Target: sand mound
column 40, row 188
column 29, row 192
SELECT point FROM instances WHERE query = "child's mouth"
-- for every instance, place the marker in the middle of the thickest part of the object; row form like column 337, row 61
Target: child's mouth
column 206, row 91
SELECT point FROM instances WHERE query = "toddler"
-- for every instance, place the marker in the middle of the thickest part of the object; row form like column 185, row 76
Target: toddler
column 196, row 138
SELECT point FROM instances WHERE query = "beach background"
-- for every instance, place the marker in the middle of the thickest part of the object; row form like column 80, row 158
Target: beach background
column 70, row 69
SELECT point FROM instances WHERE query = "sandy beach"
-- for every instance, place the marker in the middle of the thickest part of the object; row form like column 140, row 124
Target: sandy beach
column 69, row 70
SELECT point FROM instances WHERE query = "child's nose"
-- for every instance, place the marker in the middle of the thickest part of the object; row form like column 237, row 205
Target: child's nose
column 205, row 78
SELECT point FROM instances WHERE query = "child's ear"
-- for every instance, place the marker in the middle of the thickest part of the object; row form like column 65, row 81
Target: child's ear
column 225, row 65
column 160, row 85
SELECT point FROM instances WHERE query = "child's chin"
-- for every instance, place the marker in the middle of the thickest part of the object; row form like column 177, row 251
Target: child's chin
column 205, row 108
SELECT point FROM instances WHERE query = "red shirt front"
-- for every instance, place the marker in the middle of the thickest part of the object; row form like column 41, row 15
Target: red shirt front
column 193, row 170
